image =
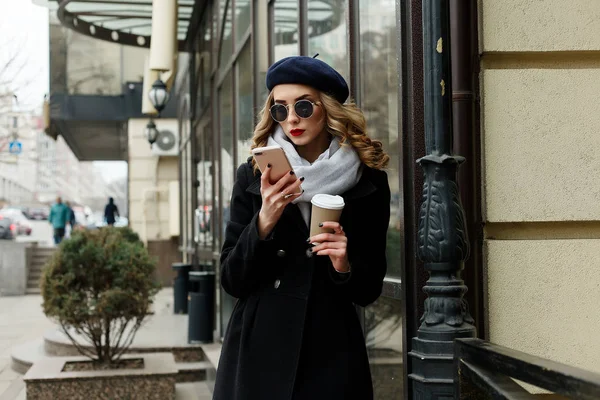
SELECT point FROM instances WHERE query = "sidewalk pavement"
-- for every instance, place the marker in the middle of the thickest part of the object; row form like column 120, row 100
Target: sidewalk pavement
column 22, row 320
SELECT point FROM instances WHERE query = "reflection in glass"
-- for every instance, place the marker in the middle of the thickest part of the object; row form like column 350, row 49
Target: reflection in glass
column 245, row 123
column 327, row 34
column 226, row 38
column 203, row 214
column 222, row 6
column 383, row 331
column 184, row 216
column 379, row 102
column 285, row 29
column 227, row 177
column 242, row 19
column 187, row 183
column 227, row 162
column 90, row 66
column 189, row 188
column 203, row 63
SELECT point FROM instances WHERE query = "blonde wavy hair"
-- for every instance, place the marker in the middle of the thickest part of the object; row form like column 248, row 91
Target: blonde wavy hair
column 345, row 121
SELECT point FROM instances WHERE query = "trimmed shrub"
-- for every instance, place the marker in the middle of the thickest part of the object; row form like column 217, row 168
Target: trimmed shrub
column 100, row 285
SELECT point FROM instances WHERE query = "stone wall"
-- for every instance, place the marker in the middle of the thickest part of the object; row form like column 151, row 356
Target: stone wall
column 540, row 81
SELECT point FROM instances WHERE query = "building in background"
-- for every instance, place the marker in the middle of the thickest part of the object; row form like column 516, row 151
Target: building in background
column 18, row 172
column 45, row 168
column 94, row 108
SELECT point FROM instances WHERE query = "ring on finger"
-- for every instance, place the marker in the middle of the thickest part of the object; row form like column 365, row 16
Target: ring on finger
column 287, row 196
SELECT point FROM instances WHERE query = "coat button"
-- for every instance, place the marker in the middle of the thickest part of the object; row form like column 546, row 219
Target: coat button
column 309, row 253
column 281, row 253
column 277, row 283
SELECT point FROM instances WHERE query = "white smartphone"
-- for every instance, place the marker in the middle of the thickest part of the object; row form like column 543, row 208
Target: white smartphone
column 274, row 155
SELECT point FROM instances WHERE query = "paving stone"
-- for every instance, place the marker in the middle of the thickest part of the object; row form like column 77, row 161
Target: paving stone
column 8, row 374
column 192, row 391
column 4, row 386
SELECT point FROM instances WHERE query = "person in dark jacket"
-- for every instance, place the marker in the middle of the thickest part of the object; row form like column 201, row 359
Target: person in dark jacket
column 110, row 211
column 294, row 333
column 72, row 219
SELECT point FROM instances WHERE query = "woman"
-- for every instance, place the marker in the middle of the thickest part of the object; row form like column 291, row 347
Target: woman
column 294, row 332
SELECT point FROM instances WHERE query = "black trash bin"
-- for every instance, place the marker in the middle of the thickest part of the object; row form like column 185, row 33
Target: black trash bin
column 181, row 286
column 201, row 307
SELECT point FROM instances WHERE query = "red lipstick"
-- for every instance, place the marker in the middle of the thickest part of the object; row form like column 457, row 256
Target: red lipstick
column 296, row 132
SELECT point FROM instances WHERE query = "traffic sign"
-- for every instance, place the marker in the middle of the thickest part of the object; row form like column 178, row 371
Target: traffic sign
column 15, row 147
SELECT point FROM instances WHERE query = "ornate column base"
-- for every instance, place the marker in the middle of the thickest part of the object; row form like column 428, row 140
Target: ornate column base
column 433, row 365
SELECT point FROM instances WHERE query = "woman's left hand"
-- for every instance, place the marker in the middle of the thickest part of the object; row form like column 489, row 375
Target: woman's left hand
column 333, row 245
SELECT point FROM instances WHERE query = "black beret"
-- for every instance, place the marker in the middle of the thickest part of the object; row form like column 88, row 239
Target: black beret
column 310, row 72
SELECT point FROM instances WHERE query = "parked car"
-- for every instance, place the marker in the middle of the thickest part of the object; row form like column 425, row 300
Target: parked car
column 23, row 227
column 7, row 228
column 24, row 210
column 39, row 213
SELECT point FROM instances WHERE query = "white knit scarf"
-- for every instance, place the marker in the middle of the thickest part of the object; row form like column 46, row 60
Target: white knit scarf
column 335, row 171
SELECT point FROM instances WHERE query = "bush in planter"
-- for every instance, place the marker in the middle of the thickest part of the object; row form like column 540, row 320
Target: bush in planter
column 100, row 284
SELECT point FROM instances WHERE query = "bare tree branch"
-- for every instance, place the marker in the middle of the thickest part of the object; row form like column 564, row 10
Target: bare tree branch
column 16, row 76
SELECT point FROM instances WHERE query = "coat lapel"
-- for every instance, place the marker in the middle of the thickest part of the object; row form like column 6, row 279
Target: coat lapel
column 254, row 187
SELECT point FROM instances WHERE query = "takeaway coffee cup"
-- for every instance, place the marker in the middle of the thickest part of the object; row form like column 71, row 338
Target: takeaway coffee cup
column 325, row 207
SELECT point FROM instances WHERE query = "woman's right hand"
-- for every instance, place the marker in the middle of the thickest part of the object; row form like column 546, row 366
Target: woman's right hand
column 275, row 197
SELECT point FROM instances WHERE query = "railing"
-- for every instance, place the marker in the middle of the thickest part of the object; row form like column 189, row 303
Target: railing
column 484, row 371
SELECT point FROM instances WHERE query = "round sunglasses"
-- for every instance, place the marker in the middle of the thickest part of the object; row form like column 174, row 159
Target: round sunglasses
column 303, row 109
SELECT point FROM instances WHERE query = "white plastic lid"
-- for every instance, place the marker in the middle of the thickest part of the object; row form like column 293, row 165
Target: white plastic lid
column 328, row 201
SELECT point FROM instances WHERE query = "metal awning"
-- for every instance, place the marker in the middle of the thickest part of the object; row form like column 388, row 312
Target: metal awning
column 120, row 21
column 94, row 126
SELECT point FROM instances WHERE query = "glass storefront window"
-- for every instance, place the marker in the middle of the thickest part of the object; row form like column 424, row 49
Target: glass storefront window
column 285, row 29
column 226, row 133
column 226, row 38
column 203, row 215
column 93, row 67
column 189, row 183
column 379, row 102
column 379, row 98
column 245, row 123
column 184, row 215
column 227, row 177
column 203, row 63
column 242, row 19
column 222, row 6
column 328, row 33
column 383, row 334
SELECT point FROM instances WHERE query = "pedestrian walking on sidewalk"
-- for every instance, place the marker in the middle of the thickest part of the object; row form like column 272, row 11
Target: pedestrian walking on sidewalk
column 294, row 333
column 110, row 211
column 58, row 218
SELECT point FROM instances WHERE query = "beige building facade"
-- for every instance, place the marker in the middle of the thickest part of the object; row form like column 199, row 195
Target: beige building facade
column 153, row 181
column 540, row 85
column 152, row 178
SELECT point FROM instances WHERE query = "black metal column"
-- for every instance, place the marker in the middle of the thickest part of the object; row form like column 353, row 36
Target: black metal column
column 442, row 238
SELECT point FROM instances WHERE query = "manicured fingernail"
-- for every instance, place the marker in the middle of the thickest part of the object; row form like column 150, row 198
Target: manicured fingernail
column 302, row 190
column 291, row 172
column 321, row 225
column 302, row 179
column 268, row 165
column 308, row 240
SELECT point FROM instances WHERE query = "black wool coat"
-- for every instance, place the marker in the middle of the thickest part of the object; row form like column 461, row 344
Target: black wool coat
column 294, row 333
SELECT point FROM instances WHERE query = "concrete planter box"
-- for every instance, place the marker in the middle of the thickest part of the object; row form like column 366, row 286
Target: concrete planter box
column 14, row 259
column 46, row 381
